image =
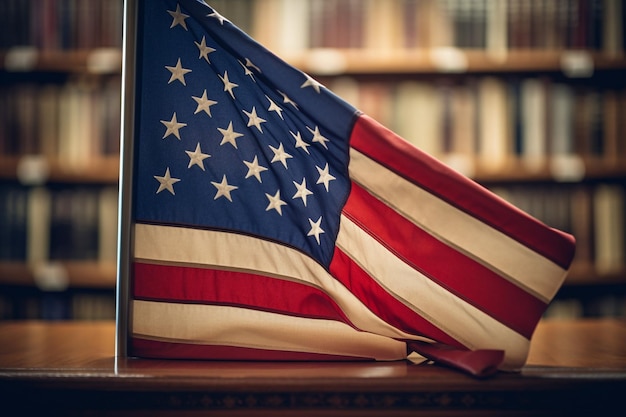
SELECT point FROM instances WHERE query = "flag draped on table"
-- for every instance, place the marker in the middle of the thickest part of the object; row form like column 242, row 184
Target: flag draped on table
column 272, row 220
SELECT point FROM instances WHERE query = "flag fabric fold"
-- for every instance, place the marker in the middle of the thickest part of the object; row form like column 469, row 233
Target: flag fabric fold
column 271, row 220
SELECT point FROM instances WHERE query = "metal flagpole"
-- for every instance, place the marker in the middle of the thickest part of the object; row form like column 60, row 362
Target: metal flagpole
column 129, row 49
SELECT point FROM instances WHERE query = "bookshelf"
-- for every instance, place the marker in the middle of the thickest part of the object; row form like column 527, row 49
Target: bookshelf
column 60, row 68
column 527, row 97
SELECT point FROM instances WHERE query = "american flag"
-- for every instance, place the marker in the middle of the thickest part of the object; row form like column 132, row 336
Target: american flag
column 274, row 221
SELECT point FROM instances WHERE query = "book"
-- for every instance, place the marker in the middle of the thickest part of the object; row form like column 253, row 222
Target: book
column 561, row 126
column 418, row 115
column 582, row 224
column 533, row 112
column 38, row 226
column 107, row 224
column 382, row 30
column 494, row 142
column 293, row 24
column 496, row 38
column 610, row 127
column 13, row 222
column 74, row 225
column 609, row 231
column 463, row 118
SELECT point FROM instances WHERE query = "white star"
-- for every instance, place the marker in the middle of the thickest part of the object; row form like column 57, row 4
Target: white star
column 287, row 100
column 275, row 202
column 249, row 64
column 254, row 169
column 310, row 82
column 217, row 16
column 325, row 177
column 178, row 18
column 254, row 120
column 247, row 70
column 166, row 182
column 317, row 136
column 228, row 86
column 204, row 104
column 197, row 157
column 223, row 189
column 274, row 107
column 302, row 192
column 173, row 127
column 204, row 50
column 280, row 155
column 229, row 135
column 178, row 72
column 299, row 142
column 316, row 230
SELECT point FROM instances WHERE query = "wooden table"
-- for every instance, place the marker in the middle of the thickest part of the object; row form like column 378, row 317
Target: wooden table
column 69, row 368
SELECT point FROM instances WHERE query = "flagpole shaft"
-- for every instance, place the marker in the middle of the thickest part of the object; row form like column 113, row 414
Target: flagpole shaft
column 129, row 46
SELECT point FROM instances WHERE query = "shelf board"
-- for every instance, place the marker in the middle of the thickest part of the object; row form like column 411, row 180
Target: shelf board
column 78, row 274
column 332, row 62
column 346, row 61
column 35, row 169
column 575, row 170
column 582, row 274
column 93, row 61
column 105, row 170
column 96, row 275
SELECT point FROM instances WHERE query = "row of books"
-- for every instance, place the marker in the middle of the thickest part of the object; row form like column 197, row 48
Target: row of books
column 373, row 24
column 495, row 25
column 482, row 118
column 594, row 214
column 32, row 304
column 44, row 224
column 72, row 122
column 61, row 24
column 494, row 119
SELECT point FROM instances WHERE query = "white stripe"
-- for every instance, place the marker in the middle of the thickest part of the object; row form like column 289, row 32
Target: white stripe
column 234, row 326
column 200, row 248
column 461, row 320
column 497, row 251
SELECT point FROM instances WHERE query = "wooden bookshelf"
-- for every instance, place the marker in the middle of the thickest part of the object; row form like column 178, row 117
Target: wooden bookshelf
column 89, row 61
column 34, row 169
column 105, row 170
column 75, row 274
column 333, row 61
column 591, row 68
column 452, row 60
column 577, row 170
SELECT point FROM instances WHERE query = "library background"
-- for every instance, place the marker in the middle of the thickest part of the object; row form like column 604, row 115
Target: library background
column 527, row 97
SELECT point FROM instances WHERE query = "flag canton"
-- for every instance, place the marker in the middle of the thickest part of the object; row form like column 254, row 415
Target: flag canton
column 232, row 138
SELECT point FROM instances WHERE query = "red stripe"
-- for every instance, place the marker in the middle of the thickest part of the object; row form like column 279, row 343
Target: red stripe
column 383, row 304
column 451, row 269
column 170, row 350
column 384, row 146
column 480, row 363
column 209, row 286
